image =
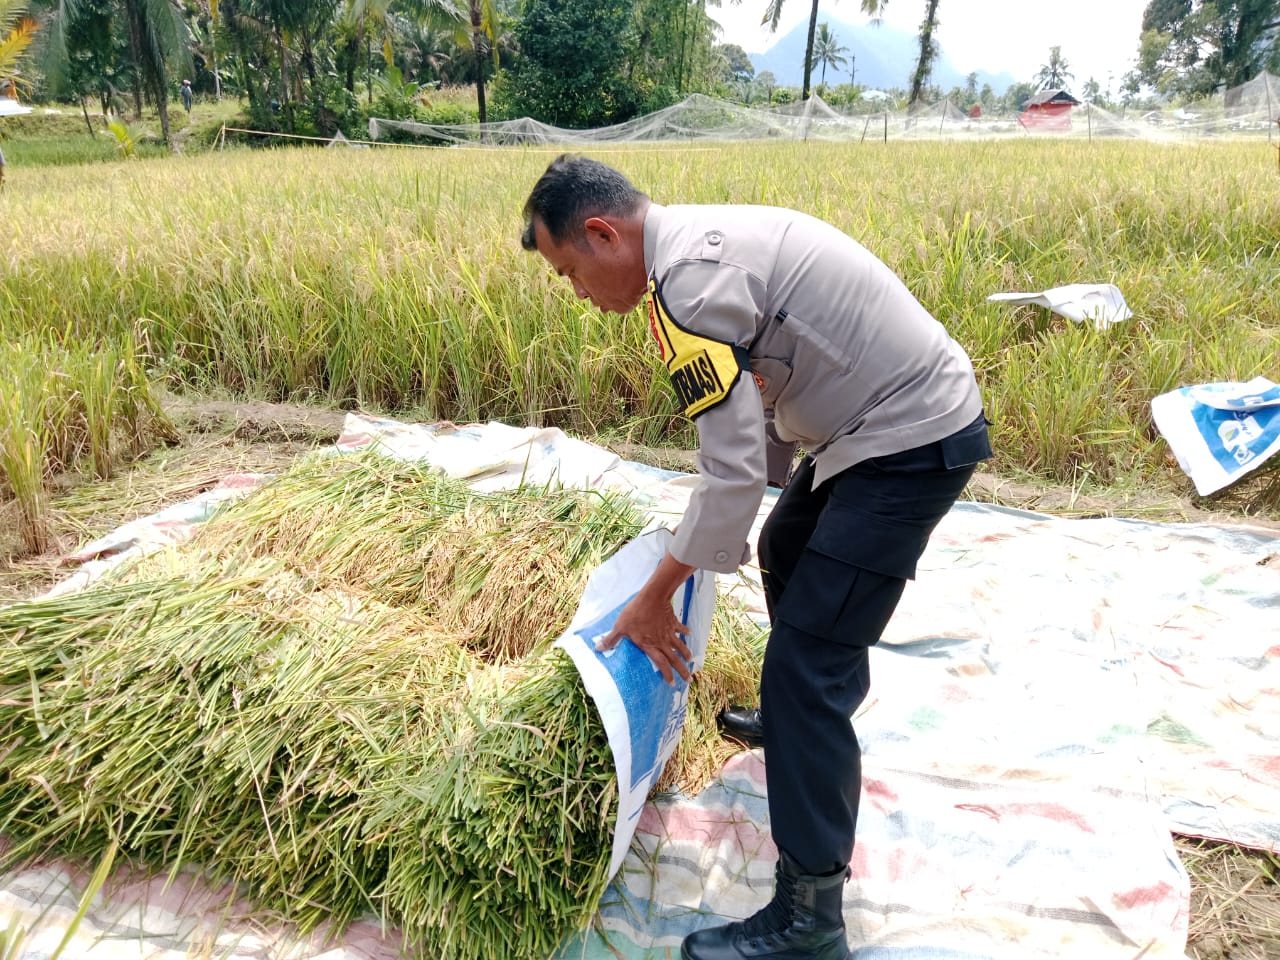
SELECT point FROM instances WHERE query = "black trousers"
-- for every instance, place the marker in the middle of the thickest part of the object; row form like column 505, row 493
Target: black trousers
column 835, row 562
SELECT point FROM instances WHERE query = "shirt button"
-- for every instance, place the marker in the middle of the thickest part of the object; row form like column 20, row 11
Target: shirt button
column 714, row 239
column 721, row 556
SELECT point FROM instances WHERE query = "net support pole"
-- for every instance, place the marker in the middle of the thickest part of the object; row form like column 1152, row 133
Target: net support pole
column 886, row 126
column 1088, row 114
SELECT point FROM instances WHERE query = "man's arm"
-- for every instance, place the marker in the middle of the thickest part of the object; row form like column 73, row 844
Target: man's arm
column 706, row 310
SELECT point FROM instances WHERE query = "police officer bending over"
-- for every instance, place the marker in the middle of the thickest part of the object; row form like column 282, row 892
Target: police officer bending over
column 779, row 332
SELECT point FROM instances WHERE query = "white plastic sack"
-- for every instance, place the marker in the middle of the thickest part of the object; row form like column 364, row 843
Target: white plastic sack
column 1220, row 431
column 11, row 108
column 643, row 715
column 1101, row 304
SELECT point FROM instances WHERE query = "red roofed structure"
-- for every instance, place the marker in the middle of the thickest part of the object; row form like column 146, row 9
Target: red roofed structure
column 1048, row 110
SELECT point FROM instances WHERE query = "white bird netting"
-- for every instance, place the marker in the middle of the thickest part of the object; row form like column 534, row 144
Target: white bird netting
column 1250, row 111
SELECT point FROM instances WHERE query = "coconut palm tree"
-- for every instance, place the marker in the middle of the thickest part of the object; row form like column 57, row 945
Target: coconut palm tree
column 827, row 51
column 485, row 23
column 773, row 14
column 361, row 23
column 290, row 24
column 424, row 49
column 158, row 37
column 1054, row 74
column 17, row 30
column 204, row 40
column 928, row 46
column 157, row 33
column 477, row 27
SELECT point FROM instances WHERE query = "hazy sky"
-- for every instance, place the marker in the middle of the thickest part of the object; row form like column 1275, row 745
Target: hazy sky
column 1097, row 37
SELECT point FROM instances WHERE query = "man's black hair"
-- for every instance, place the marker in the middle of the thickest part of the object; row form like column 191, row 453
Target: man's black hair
column 572, row 189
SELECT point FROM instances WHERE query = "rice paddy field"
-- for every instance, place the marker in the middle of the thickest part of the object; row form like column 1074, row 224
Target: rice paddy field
column 393, row 280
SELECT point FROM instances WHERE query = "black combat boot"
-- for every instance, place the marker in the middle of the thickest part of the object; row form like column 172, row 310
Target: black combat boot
column 743, row 724
column 802, row 922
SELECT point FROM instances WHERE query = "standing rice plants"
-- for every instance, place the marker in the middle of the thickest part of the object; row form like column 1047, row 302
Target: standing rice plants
column 67, row 404
column 396, row 278
column 25, row 441
column 1066, row 398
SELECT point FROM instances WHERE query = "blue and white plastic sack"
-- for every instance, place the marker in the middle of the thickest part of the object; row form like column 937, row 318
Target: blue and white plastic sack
column 1220, row 431
column 643, row 715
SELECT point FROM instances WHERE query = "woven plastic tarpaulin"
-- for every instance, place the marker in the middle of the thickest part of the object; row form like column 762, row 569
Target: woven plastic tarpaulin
column 1052, row 701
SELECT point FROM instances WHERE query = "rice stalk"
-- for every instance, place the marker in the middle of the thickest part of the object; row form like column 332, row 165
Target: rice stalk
column 66, row 403
column 24, row 443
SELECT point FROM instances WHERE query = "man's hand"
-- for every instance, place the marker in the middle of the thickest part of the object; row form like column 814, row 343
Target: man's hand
column 653, row 627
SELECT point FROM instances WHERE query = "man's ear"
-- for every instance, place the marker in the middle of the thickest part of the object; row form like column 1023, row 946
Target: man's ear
column 598, row 228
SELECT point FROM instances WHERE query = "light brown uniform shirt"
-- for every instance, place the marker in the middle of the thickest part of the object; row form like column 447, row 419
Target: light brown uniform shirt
column 780, row 331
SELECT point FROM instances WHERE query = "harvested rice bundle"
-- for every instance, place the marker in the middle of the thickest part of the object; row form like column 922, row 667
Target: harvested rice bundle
column 49, row 694
column 232, row 723
column 333, row 753
column 730, row 675
column 507, row 568
column 503, row 850
column 507, row 845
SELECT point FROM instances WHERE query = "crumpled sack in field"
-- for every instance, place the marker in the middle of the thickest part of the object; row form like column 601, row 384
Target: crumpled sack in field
column 1102, row 304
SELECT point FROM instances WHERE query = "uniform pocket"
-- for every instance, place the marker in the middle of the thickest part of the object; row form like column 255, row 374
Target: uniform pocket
column 967, row 447
column 836, row 600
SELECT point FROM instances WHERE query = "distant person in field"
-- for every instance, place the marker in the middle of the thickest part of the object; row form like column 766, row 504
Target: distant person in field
column 186, row 96
column 779, row 332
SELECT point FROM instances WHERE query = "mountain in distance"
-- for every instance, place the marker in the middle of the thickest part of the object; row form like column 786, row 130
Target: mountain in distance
column 882, row 57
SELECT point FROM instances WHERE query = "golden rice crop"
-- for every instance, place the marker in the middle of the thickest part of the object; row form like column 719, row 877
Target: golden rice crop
column 64, row 405
column 395, row 279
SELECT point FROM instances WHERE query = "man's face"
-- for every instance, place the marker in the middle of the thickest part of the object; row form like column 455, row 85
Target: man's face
column 603, row 267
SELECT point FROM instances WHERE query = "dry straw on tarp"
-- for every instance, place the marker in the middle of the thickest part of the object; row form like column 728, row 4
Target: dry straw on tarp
column 299, row 702
column 506, row 568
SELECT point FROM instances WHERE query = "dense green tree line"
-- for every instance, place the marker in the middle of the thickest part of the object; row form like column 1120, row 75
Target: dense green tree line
column 1194, row 47
column 322, row 65
column 304, row 64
